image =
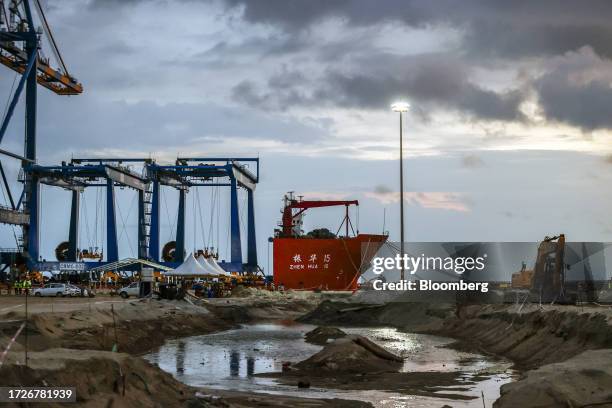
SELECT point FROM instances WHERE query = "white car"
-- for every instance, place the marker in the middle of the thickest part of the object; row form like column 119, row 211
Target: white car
column 132, row 290
column 53, row 289
column 76, row 291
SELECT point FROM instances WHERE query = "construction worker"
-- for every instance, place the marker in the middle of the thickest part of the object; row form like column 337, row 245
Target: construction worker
column 27, row 284
column 18, row 286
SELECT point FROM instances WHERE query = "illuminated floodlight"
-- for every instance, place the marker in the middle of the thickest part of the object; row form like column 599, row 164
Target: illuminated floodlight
column 400, row 106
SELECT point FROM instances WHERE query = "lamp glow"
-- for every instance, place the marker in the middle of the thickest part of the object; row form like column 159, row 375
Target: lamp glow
column 400, row 107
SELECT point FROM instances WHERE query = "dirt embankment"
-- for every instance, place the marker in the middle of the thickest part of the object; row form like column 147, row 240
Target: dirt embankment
column 136, row 327
column 564, row 352
column 107, row 379
column 533, row 336
column 530, row 336
column 413, row 316
column 72, row 348
column 582, row 381
column 101, row 379
column 262, row 309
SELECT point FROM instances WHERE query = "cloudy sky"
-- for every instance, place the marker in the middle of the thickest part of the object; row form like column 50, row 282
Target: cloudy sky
column 508, row 137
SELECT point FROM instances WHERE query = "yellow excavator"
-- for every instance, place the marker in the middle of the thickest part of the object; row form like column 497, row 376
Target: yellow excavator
column 547, row 282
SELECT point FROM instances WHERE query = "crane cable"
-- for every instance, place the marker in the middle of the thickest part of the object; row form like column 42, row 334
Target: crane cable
column 170, row 222
column 49, row 35
column 103, row 221
column 95, row 234
column 193, row 201
column 218, row 218
column 213, row 198
column 201, row 217
column 123, row 223
column 84, row 216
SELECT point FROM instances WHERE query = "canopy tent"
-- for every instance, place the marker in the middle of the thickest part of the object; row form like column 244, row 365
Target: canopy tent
column 191, row 267
column 212, row 265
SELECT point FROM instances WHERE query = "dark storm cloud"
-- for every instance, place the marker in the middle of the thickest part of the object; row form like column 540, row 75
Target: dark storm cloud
column 585, row 105
column 363, row 91
column 492, row 31
column 576, row 90
column 435, row 80
column 504, row 28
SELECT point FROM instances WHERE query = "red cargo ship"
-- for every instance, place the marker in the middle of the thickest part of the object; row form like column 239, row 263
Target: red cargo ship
column 320, row 260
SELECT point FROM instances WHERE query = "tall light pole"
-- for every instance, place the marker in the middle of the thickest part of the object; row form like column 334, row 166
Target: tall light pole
column 401, row 107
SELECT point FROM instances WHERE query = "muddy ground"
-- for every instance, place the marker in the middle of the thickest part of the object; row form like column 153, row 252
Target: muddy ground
column 551, row 346
column 70, row 342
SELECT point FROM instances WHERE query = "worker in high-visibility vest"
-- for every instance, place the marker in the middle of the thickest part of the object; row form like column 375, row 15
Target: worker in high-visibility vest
column 18, row 285
column 27, row 284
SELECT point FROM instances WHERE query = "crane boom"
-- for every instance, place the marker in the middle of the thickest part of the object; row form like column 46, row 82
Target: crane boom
column 16, row 58
column 292, row 220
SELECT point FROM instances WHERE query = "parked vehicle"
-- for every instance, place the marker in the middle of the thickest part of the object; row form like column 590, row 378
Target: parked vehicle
column 132, row 290
column 53, row 289
column 77, row 291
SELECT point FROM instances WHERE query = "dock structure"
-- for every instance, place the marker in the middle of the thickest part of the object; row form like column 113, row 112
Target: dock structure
column 186, row 173
column 20, row 50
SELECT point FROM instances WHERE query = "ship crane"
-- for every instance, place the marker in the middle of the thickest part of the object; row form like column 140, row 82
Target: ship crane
column 291, row 222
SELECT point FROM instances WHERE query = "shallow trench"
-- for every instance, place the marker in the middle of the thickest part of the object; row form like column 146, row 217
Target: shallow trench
column 230, row 359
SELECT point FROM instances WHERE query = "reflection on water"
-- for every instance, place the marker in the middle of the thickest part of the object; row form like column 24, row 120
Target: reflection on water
column 228, row 360
column 180, row 357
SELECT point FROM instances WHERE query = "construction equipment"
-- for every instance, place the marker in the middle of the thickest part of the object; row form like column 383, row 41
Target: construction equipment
column 21, row 49
column 16, row 19
column 548, row 282
column 292, row 221
column 522, row 279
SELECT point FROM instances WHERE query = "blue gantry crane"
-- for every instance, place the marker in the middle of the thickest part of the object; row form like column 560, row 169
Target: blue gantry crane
column 21, row 51
column 76, row 177
column 185, row 174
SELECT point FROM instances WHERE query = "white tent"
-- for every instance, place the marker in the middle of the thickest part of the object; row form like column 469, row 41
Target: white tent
column 191, row 267
column 210, row 265
column 213, row 263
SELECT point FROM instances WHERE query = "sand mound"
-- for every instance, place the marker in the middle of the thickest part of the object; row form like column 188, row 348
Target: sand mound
column 584, row 380
column 322, row 335
column 352, row 354
column 101, row 378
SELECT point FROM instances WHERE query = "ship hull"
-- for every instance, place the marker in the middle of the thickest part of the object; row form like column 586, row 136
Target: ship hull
column 327, row 264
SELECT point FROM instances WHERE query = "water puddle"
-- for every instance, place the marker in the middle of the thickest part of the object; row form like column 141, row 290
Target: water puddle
column 228, row 360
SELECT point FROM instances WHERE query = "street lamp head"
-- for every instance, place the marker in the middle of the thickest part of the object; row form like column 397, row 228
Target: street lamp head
column 400, row 107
